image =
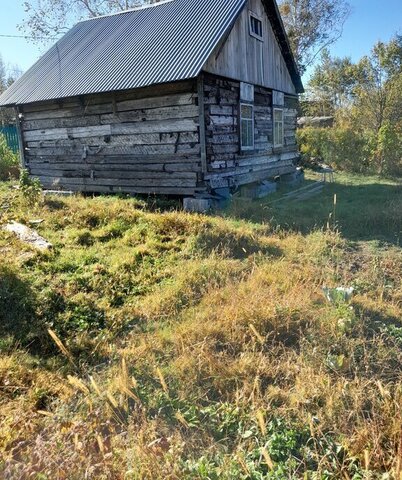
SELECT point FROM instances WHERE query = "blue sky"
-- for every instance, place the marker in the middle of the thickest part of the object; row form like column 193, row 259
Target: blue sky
column 371, row 20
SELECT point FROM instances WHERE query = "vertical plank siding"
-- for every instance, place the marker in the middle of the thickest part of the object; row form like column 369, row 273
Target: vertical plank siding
column 245, row 58
column 227, row 165
column 140, row 141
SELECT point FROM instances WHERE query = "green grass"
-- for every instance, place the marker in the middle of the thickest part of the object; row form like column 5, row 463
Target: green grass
column 367, row 208
column 202, row 347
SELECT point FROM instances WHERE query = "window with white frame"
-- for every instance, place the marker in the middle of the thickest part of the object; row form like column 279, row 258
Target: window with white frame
column 246, row 126
column 278, row 127
column 255, row 26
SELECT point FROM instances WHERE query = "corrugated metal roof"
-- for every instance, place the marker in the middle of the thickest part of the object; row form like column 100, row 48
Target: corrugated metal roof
column 166, row 42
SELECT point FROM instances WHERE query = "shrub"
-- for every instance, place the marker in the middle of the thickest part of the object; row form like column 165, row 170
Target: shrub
column 8, row 160
column 389, row 150
column 31, row 188
column 354, row 151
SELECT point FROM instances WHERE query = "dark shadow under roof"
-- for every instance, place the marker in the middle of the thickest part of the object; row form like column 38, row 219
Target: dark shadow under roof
column 167, row 42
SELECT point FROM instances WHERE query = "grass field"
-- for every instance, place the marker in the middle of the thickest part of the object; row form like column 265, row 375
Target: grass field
column 202, row 347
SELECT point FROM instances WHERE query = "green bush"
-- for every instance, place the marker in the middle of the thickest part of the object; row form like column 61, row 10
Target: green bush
column 354, row 151
column 389, row 150
column 9, row 161
column 31, row 188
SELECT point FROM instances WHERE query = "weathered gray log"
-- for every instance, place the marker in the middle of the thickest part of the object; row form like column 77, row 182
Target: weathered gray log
column 28, row 235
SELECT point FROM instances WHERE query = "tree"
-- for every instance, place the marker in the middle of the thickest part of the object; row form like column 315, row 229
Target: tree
column 379, row 90
column 366, row 99
column 332, row 83
column 313, row 25
column 50, row 18
column 8, row 75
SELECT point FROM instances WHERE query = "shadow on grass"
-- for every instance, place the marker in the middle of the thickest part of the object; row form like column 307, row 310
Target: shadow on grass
column 17, row 312
column 235, row 244
column 369, row 211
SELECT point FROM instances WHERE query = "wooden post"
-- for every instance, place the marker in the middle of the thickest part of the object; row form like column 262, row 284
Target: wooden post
column 200, row 89
column 20, row 137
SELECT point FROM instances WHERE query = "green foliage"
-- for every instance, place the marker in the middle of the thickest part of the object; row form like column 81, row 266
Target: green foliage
column 333, row 82
column 343, row 148
column 389, row 149
column 9, row 161
column 293, row 450
column 31, row 188
column 366, row 99
column 202, row 347
column 354, row 151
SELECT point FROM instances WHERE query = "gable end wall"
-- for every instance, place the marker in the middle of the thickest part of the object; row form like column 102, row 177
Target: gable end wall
column 247, row 59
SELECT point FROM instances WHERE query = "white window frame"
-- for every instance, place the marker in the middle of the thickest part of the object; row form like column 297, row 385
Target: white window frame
column 246, row 147
column 252, row 33
column 275, row 123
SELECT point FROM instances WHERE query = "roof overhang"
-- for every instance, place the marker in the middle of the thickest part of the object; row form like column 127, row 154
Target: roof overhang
column 123, row 63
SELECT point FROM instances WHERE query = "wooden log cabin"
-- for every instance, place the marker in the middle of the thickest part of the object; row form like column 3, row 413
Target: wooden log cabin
column 182, row 97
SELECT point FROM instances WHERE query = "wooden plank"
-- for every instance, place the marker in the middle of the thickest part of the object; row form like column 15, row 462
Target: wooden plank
column 227, row 110
column 124, row 175
column 165, row 126
column 162, row 149
column 116, row 157
column 51, row 105
column 229, row 138
column 230, row 148
column 130, row 140
column 122, row 189
column 39, row 167
column 163, row 113
column 183, row 86
column 234, row 172
column 113, row 182
column 263, row 175
column 82, row 121
column 156, row 102
column 222, row 120
column 67, row 133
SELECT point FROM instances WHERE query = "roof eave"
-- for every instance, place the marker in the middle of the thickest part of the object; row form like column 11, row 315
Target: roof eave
column 275, row 18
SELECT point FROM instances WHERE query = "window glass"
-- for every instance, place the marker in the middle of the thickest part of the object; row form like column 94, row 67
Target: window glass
column 278, row 127
column 246, row 126
column 255, row 27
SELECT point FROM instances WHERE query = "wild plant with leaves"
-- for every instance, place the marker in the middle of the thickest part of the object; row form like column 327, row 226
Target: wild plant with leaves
column 366, row 100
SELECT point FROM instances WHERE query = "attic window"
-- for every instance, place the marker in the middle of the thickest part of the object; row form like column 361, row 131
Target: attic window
column 256, row 27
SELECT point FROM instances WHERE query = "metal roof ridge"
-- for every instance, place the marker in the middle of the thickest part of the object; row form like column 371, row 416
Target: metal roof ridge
column 134, row 9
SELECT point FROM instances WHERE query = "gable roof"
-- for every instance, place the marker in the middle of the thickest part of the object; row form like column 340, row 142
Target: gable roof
column 164, row 42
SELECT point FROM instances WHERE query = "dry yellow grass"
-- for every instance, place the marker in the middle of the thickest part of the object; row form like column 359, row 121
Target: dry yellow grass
column 193, row 347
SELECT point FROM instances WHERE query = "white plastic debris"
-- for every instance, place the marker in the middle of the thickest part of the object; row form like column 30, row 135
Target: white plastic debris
column 339, row 294
column 27, row 235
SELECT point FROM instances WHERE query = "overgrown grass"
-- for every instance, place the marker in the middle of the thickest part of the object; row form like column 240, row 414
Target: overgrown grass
column 202, row 347
column 368, row 208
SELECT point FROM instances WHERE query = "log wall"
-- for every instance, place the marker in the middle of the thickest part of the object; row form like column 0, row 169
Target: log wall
column 143, row 141
column 227, row 165
column 148, row 140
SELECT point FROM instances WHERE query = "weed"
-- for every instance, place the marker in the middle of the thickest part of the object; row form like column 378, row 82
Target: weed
column 155, row 344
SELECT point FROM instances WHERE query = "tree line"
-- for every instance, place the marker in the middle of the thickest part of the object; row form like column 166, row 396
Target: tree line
column 365, row 99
